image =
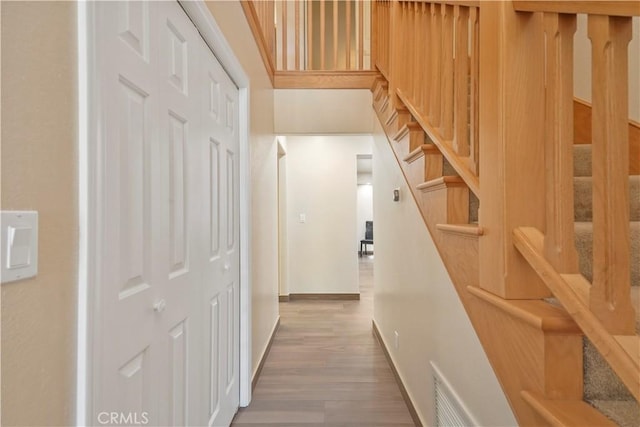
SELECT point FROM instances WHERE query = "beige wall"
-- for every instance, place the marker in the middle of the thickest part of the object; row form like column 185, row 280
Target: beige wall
column 323, row 111
column 582, row 66
column 264, row 174
column 321, row 184
column 39, row 159
column 413, row 295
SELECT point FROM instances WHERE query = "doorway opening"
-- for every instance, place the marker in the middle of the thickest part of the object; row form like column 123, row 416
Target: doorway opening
column 364, row 226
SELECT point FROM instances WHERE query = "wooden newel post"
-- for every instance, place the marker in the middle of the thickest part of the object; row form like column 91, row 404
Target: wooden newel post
column 610, row 291
column 511, row 134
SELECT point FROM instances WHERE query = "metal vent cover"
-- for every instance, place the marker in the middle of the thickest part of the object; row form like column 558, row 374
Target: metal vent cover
column 449, row 409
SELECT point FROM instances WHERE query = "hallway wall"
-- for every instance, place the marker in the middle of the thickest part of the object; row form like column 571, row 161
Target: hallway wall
column 264, row 175
column 414, row 295
column 39, row 164
column 321, row 184
column 323, row 111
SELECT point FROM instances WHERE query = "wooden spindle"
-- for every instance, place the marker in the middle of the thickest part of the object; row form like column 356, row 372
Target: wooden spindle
column 309, row 35
column 474, row 91
column 425, row 38
column 446, row 96
column 401, row 73
column 361, row 35
column 559, row 243
column 284, row 24
column 435, row 57
column 323, row 27
column 415, row 63
column 409, row 57
column 461, row 75
column 335, row 34
column 348, row 34
column 296, row 5
column 610, row 292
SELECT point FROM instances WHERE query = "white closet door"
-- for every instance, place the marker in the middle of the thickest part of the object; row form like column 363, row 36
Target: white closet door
column 166, row 342
column 222, row 265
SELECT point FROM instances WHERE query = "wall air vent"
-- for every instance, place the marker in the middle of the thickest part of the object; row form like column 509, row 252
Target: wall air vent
column 449, row 409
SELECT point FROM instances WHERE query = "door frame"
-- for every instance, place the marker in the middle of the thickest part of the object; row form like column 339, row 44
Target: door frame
column 91, row 197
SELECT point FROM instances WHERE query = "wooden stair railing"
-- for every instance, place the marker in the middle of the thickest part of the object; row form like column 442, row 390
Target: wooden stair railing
column 500, row 114
column 610, row 34
column 313, row 43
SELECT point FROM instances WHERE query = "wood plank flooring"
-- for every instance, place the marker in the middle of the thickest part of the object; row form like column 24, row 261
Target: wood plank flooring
column 326, row 368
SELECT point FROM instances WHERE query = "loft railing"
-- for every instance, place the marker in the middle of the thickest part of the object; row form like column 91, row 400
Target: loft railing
column 314, row 43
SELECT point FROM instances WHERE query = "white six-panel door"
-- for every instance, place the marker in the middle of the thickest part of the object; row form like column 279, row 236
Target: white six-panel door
column 166, row 344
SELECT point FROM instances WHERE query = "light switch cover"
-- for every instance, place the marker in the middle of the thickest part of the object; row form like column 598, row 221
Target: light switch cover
column 19, row 254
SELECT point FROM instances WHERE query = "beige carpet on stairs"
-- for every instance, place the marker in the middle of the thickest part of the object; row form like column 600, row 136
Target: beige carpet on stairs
column 602, row 388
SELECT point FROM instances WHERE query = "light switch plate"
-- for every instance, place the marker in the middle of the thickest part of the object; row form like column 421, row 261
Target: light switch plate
column 19, row 254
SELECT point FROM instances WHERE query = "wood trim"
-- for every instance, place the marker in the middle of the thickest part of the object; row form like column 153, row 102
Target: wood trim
column 319, row 297
column 610, row 8
column 468, row 3
column 324, row 79
column 283, row 298
column 536, row 313
column 263, row 359
column 529, row 241
column 252, row 18
column 440, row 183
column 561, row 413
column 582, row 133
column 420, row 152
column 403, row 390
column 469, row 230
column 458, row 164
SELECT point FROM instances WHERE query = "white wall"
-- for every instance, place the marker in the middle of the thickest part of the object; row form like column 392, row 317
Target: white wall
column 413, row 295
column 365, row 210
column 264, row 175
column 582, row 66
column 323, row 111
column 321, row 184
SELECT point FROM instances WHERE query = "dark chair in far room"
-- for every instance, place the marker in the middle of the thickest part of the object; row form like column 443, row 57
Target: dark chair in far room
column 368, row 237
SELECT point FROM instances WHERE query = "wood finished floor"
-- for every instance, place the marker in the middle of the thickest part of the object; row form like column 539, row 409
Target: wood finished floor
column 326, row 368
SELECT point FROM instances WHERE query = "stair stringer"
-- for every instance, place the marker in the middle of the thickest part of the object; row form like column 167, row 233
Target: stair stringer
column 531, row 345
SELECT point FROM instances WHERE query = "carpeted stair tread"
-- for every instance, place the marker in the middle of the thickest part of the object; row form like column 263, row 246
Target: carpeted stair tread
column 582, row 160
column 584, row 246
column 583, row 198
column 625, row 413
column 600, row 382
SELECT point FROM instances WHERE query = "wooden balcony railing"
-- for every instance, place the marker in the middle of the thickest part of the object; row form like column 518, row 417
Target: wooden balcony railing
column 314, row 43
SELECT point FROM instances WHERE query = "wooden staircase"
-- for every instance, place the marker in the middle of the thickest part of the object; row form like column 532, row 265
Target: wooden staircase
column 528, row 292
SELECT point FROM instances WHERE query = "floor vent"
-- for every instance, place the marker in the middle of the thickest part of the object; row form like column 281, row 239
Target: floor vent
column 449, row 409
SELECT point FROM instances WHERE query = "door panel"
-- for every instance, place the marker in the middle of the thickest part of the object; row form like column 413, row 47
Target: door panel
column 167, row 309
